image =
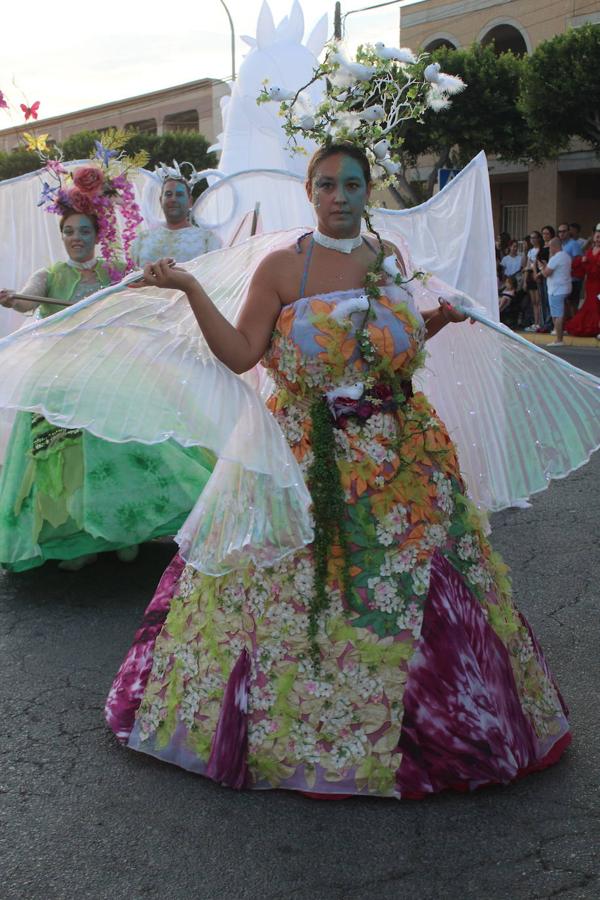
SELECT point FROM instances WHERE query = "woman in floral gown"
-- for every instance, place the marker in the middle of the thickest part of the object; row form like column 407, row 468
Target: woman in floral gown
column 387, row 658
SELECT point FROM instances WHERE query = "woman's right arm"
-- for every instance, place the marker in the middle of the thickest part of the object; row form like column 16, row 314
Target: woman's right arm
column 36, row 284
column 239, row 346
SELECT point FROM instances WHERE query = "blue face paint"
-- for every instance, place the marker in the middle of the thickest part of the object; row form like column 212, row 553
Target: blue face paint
column 175, row 202
column 79, row 238
column 339, row 193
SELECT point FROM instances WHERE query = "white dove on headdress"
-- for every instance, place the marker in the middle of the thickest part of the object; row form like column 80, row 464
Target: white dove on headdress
column 449, row 84
column 357, row 70
column 372, row 113
column 278, row 94
column 381, row 148
column 307, row 122
column 391, row 167
column 432, row 72
column 400, row 54
column 437, row 99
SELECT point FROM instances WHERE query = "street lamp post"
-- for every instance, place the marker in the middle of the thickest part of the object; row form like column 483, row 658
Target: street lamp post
column 224, row 5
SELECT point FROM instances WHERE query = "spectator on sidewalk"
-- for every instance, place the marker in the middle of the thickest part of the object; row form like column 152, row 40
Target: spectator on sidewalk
column 509, row 302
column 557, row 272
column 531, row 285
column 512, row 263
column 586, row 323
column 573, row 248
column 548, row 233
column 575, row 232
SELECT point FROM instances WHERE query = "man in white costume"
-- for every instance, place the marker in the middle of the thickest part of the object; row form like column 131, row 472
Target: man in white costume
column 178, row 237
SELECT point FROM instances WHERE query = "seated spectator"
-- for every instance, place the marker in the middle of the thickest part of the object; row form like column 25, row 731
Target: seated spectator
column 509, row 302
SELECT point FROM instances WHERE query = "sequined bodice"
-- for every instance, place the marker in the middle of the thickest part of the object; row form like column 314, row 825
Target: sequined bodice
column 317, row 342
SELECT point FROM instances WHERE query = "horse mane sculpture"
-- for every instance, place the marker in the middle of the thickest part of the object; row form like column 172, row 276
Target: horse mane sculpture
column 252, row 136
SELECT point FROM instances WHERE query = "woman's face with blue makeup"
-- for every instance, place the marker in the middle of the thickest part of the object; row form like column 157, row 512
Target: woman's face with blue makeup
column 339, row 193
column 79, row 237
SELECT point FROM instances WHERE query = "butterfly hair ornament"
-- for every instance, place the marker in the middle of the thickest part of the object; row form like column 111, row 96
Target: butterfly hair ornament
column 101, row 189
column 365, row 101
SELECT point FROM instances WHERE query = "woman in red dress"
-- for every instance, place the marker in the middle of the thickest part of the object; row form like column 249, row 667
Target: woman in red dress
column 586, row 322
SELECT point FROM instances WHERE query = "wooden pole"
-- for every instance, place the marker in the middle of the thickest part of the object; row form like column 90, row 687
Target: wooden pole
column 32, row 298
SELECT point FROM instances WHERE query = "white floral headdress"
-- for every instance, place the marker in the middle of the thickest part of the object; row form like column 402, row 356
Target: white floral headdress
column 366, row 100
column 175, row 173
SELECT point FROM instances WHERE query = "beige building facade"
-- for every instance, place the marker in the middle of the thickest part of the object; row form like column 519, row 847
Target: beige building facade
column 194, row 106
column 523, row 198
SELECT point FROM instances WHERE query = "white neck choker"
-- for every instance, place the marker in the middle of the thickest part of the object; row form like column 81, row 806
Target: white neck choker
column 88, row 264
column 342, row 245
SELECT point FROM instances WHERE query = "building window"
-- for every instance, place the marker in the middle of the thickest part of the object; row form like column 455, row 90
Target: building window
column 148, row 126
column 436, row 43
column 514, row 220
column 183, row 121
column 505, row 38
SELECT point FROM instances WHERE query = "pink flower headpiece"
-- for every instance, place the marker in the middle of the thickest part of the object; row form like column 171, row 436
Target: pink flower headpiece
column 101, row 189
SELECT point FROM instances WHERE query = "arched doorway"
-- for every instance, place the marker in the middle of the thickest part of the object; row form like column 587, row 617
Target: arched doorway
column 505, row 38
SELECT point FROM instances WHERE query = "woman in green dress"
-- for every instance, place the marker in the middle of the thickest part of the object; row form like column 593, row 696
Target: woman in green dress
column 64, row 493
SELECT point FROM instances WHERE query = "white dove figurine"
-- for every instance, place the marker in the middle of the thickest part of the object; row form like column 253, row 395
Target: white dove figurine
column 432, row 73
column 352, row 391
column 391, row 167
column 381, row 148
column 372, row 113
column 400, row 54
column 278, row 94
column 307, row 122
column 345, row 308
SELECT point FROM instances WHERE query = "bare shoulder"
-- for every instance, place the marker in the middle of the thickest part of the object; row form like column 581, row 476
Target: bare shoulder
column 392, row 248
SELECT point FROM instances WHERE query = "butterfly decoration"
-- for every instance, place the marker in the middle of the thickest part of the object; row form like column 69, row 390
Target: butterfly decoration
column 3, row 103
column 47, row 195
column 36, row 144
column 103, row 153
column 30, row 112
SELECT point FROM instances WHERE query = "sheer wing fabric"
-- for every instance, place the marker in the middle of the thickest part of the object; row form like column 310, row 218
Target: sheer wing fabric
column 132, row 365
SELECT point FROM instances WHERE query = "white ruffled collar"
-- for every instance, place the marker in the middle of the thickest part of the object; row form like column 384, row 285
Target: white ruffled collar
column 342, row 245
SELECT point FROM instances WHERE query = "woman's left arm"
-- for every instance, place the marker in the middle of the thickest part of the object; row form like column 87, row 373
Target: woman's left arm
column 436, row 319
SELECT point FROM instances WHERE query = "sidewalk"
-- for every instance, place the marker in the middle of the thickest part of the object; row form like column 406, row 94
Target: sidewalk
column 543, row 339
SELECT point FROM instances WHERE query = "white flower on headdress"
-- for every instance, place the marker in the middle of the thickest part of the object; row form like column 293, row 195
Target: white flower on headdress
column 400, row 54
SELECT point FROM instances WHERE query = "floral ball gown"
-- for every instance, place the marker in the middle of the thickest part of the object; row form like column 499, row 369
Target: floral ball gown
column 428, row 677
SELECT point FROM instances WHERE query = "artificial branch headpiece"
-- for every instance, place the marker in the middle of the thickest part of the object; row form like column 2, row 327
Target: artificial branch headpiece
column 366, row 100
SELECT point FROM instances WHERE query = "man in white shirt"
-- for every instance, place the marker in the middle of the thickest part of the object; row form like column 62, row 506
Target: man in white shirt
column 557, row 272
column 177, row 238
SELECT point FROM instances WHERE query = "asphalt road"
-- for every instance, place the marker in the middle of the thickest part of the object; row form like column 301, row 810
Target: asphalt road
column 81, row 817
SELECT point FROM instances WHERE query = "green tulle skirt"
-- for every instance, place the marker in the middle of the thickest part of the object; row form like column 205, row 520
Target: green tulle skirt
column 65, row 493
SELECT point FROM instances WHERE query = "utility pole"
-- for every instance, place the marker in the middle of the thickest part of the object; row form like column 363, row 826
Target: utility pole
column 337, row 22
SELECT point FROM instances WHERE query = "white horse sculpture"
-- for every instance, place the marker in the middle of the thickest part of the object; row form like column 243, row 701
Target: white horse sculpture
column 252, row 134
